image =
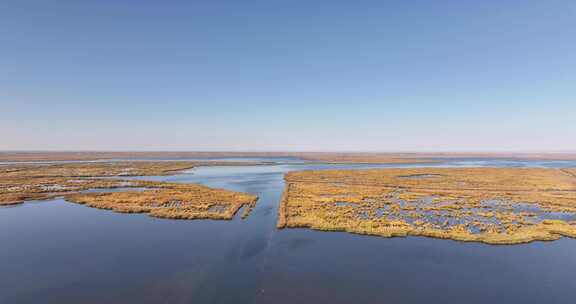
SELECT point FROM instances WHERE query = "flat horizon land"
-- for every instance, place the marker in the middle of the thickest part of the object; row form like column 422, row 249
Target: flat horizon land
column 328, row 156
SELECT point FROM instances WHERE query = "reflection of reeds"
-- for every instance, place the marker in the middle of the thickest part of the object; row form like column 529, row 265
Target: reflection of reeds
column 11, row 202
column 449, row 206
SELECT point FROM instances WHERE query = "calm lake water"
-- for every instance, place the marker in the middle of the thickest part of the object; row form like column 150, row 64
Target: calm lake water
column 58, row 252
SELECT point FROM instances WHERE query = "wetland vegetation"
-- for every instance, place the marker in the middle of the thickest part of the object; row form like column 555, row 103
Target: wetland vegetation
column 73, row 181
column 489, row 205
column 22, row 182
column 173, row 201
column 251, row 259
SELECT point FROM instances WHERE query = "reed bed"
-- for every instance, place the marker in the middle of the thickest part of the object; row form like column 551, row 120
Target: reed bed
column 20, row 183
column 489, row 205
column 173, row 201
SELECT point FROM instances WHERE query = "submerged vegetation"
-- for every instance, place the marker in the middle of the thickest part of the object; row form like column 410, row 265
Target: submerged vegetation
column 20, row 183
column 489, row 205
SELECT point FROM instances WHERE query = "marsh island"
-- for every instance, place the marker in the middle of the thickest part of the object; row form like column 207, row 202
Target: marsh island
column 77, row 182
column 174, row 201
column 489, row 205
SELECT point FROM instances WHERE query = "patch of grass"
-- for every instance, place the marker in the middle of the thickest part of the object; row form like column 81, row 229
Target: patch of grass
column 20, row 183
column 455, row 204
column 174, row 201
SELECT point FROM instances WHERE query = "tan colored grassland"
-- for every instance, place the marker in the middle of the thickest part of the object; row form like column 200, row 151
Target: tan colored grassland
column 173, row 201
column 17, row 190
column 282, row 214
column 20, row 183
column 95, row 169
column 350, row 200
column 570, row 171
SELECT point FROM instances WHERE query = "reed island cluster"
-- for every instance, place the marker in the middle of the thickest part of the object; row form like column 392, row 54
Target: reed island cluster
column 488, row 205
column 76, row 183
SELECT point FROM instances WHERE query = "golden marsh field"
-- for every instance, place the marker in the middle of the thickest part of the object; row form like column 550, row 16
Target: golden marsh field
column 174, row 201
column 489, row 205
column 20, row 183
column 478, row 205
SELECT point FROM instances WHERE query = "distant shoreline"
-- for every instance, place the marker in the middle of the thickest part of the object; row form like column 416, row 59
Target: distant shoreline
column 331, row 157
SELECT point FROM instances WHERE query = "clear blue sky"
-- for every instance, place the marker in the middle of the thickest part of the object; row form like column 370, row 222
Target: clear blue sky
column 288, row 75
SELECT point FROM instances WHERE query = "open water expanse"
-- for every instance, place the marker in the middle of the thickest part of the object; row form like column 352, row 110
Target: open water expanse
column 58, row 252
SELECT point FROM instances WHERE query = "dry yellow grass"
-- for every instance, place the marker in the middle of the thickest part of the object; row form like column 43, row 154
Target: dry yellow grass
column 17, row 190
column 570, row 171
column 490, row 205
column 19, row 183
column 95, row 169
column 174, row 201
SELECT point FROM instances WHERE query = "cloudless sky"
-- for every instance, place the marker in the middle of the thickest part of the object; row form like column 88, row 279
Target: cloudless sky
column 288, row 75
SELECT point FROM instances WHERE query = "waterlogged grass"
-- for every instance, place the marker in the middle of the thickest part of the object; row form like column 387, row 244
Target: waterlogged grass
column 18, row 190
column 174, row 201
column 20, row 183
column 489, row 205
column 97, row 169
